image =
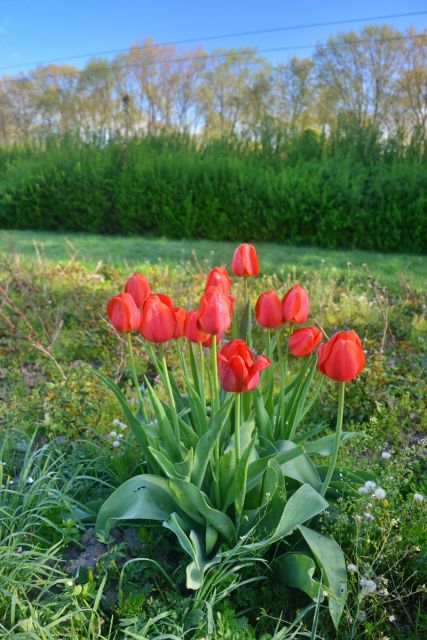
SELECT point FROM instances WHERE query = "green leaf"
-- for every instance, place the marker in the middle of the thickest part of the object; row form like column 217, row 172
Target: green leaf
column 192, row 545
column 143, row 497
column 130, row 418
column 300, row 468
column 296, row 570
column 303, row 505
column 168, row 435
column 331, row 560
column 241, row 478
column 196, row 504
column 324, row 446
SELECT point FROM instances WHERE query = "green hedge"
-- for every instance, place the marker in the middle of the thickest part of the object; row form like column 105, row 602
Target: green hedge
column 305, row 190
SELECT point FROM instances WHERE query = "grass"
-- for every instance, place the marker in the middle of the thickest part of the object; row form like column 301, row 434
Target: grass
column 135, row 251
column 57, row 581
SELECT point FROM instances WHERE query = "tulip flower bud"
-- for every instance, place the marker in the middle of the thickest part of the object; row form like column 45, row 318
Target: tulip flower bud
column 268, row 310
column 180, row 316
column 237, row 369
column 158, row 319
column 341, row 358
column 123, row 313
column 303, row 341
column 245, row 261
column 295, row 305
column 138, row 287
column 215, row 311
column 218, row 277
column 192, row 331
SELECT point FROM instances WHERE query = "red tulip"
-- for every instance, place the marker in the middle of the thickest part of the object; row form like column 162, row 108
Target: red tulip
column 192, row 331
column 218, row 277
column 123, row 313
column 245, row 261
column 303, row 341
column 138, row 287
column 341, row 358
column 215, row 311
column 158, row 320
column 268, row 310
column 180, row 316
column 237, row 369
column 295, row 305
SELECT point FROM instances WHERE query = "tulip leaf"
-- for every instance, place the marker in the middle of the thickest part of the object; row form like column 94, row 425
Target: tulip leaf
column 168, row 468
column 133, row 423
column 300, row 468
column 324, row 446
column 196, row 504
column 207, row 442
column 241, row 479
column 330, row 558
column 296, row 570
column 192, row 545
column 264, row 424
column 303, row 505
column 168, row 436
column 143, row 497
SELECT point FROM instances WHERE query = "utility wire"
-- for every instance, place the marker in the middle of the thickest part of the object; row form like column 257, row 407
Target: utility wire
column 222, row 36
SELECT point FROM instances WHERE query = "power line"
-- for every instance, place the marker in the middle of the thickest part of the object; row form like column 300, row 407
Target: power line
column 222, row 36
column 245, row 51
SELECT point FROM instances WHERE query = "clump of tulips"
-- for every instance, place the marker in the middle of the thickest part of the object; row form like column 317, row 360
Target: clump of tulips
column 228, row 464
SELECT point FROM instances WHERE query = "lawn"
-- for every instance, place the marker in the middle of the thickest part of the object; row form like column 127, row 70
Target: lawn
column 59, row 432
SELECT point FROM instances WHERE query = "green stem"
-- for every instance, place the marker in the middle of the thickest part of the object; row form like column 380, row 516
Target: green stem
column 283, row 362
column 202, row 371
column 135, row 377
column 337, row 442
column 237, row 410
column 248, row 310
column 214, row 410
column 171, row 398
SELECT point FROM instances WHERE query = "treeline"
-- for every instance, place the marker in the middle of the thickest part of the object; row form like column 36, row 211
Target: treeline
column 377, row 76
column 352, row 188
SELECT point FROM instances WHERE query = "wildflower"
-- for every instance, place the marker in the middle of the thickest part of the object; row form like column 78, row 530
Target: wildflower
column 118, row 423
column 30, row 480
column 368, row 516
column 385, row 455
column 368, row 586
column 392, row 618
column 113, row 434
column 418, row 497
column 70, row 583
column 351, row 568
column 380, row 493
column 369, row 484
column 363, row 490
column 116, row 443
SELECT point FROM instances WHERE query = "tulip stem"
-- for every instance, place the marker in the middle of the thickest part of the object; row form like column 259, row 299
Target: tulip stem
column 214, row 410
column 283, row 363
column 171, row 399
column 135, row 377
column 237, row 430
column 248, row 311
column 202, row 370
column 337, row 442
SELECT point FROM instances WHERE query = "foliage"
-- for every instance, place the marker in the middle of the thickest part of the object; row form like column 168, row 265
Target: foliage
column 388, row 405
column 350, row 190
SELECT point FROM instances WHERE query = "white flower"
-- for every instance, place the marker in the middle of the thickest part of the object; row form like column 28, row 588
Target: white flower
column 351, row 568
column 418, row 497
column 112, row 434
column 385, row 455
column 30, row 480
column 392, row 618
column 369, row 484
column 368, row 516
column 380, row 493
column 118, row 423
column 116, row 443
column 120, row 436
column 363, row 490
column 70, row 583
column 368, row 586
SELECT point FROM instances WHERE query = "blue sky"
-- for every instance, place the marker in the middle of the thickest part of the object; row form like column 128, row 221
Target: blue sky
column 36, row 30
